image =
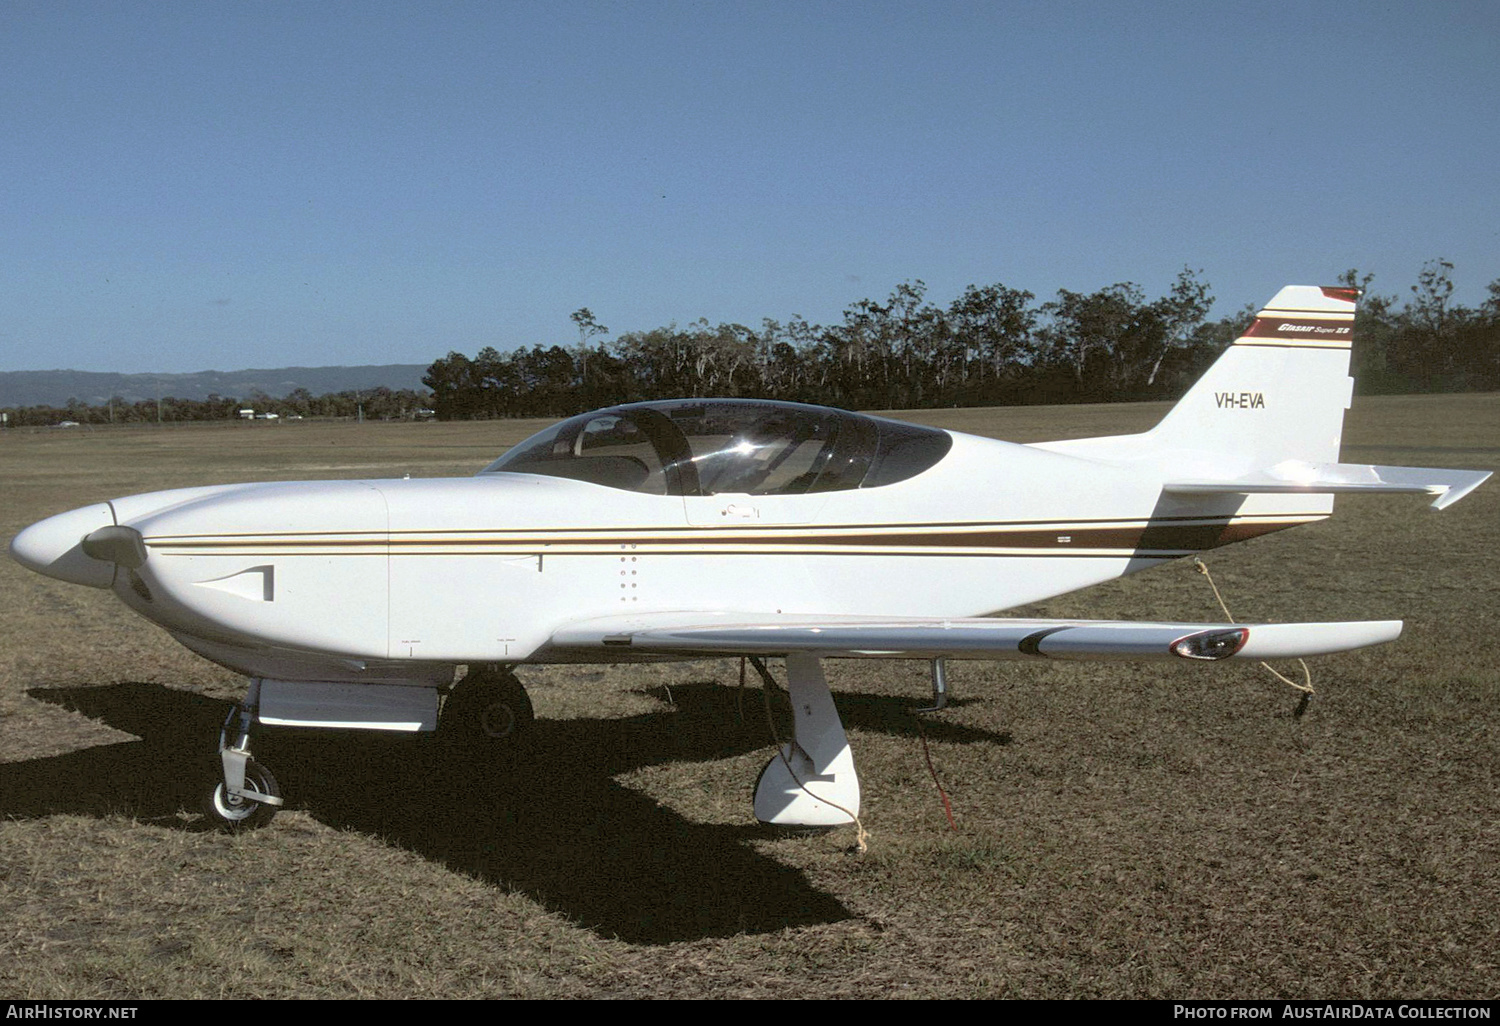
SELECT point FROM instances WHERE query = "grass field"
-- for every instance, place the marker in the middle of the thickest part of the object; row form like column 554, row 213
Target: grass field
column 1123, row 831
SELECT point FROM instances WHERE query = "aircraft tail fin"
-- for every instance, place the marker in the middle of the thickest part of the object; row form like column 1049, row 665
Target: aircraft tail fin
column 1278, row 393
column 1268, row 416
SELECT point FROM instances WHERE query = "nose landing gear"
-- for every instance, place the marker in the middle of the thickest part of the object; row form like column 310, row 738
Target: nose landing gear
column 247, row 796
column 487, row 720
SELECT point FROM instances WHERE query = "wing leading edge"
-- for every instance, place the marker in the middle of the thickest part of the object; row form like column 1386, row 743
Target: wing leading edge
column 704, row 634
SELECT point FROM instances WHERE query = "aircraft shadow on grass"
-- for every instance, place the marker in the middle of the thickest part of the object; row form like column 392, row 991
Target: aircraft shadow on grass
column 552, row 823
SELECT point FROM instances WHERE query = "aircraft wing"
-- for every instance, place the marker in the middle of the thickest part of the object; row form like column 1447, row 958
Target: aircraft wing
column 718, row 634
column 1446, row 486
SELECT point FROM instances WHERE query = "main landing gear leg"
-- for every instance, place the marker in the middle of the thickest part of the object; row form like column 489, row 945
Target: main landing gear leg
column 247, row 796
column 811, row 782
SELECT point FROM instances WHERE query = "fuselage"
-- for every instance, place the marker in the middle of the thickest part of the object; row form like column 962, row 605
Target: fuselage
column 402, row 579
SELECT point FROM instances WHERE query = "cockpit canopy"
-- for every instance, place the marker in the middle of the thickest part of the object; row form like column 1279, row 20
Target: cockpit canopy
column 713, row 446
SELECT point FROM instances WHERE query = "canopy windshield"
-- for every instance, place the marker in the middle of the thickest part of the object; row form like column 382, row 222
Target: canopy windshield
column 741, row 446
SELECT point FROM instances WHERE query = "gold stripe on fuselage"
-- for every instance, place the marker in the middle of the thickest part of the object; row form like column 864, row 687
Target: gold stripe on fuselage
column 1101, row 538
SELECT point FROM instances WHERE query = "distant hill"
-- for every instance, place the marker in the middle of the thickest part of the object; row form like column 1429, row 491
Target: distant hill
column 56, row 387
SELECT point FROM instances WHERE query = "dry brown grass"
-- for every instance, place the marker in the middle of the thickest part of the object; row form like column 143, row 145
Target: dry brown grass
column 1123, row 831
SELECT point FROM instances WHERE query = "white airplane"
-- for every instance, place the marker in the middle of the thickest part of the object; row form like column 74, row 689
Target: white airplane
column 708, row 528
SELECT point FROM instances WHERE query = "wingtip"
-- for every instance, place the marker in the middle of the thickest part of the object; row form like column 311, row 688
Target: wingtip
column 1451, row 494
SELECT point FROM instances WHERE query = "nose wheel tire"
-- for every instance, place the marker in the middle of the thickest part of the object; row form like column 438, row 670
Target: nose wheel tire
column 233, row 812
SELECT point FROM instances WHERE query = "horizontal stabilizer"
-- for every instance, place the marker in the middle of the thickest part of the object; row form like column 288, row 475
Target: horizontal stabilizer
column 700, row 634
column 1446, row 486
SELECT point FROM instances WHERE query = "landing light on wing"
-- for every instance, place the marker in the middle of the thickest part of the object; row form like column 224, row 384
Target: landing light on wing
column 1212, row 644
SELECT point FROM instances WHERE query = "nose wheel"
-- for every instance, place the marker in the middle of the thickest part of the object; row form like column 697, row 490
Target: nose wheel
column 246, row 795
column 249, row 807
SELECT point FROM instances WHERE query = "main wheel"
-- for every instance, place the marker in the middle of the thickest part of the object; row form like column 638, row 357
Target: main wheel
column 232, row 812
column 489, row 713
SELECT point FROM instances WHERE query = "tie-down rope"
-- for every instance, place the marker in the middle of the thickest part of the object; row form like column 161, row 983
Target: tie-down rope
column 1306, row 688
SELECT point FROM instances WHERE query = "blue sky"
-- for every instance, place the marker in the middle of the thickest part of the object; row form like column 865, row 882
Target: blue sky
column 201, row 185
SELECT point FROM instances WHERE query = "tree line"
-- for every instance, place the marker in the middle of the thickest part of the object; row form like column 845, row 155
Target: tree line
column 372, row 403
column 993, row 345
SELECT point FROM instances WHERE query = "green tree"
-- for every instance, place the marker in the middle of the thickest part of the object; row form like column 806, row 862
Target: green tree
column 1178, row 315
